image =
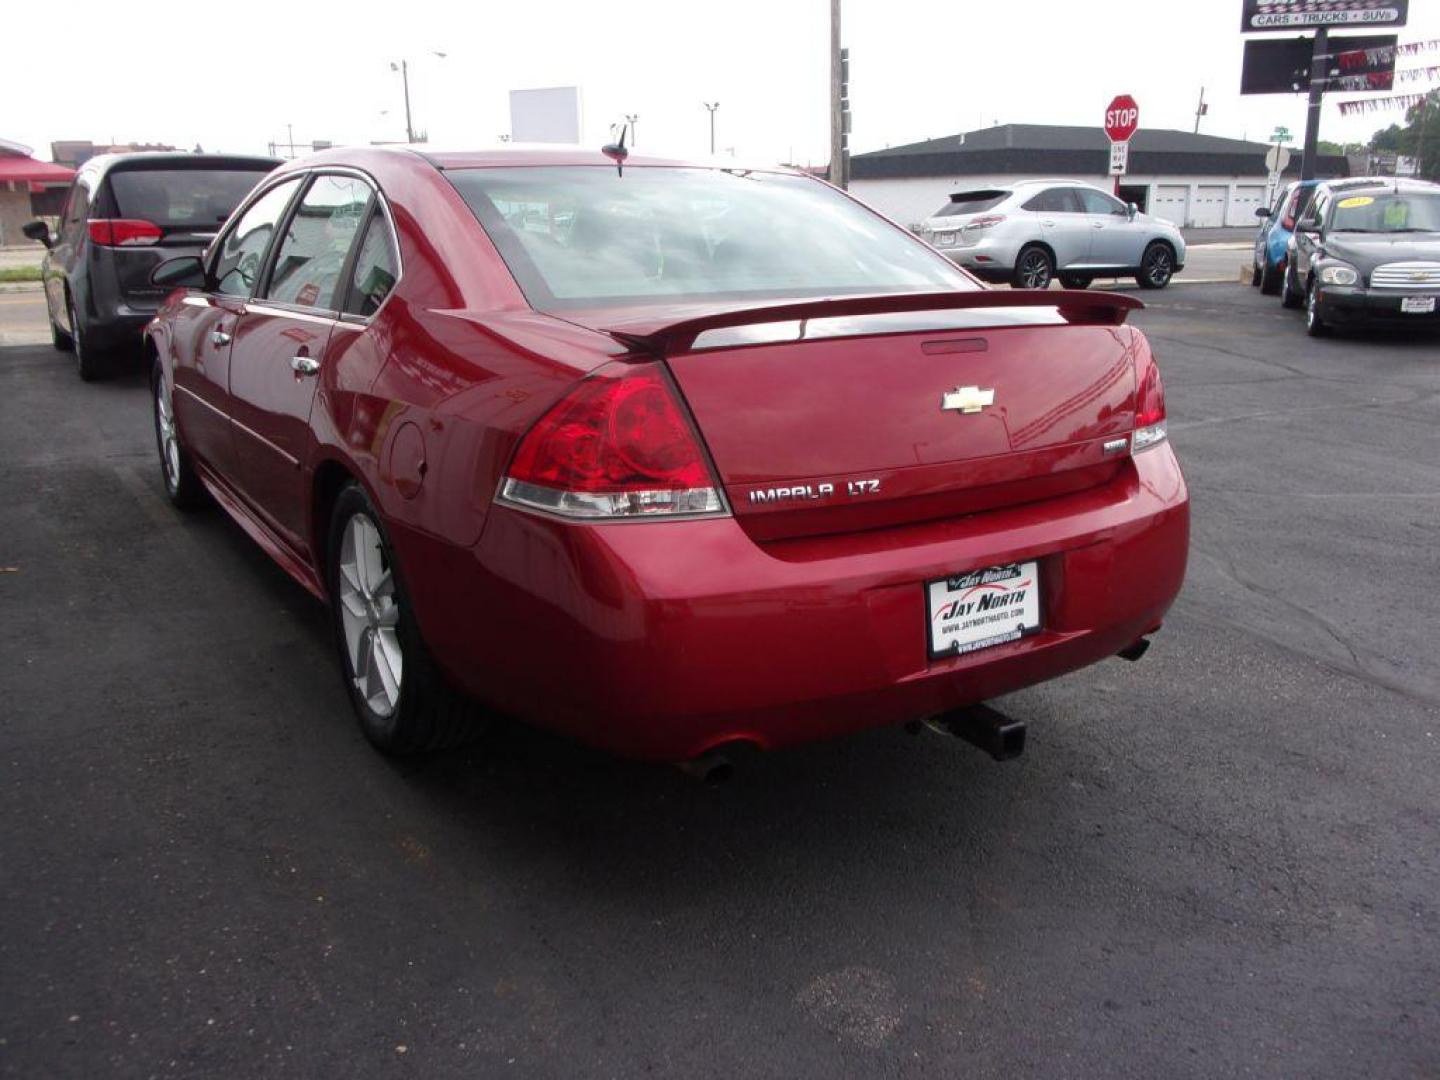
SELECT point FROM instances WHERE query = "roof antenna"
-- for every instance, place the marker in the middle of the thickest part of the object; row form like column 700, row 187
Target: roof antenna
column 616, row 152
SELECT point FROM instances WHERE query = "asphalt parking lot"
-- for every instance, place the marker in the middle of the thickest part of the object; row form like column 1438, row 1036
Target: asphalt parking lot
column 1219, row 861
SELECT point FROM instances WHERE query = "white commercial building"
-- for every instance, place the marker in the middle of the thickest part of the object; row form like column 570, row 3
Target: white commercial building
column 1196, row 181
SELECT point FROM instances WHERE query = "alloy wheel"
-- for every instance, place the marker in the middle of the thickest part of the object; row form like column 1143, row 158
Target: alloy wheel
column 1035, row 270
column 165, row 429
column 1160, row 267
column 370, row 616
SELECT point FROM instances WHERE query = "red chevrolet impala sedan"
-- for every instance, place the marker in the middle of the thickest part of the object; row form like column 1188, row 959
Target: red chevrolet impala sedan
column 666, row 457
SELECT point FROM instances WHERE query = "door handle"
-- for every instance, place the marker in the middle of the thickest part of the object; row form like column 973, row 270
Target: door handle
column 219, row 337
column 1049, row 224
column 304, row 365
column 1097, row 224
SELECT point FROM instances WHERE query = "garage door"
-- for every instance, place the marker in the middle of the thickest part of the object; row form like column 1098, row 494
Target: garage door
column 1208, row 210
column 1245, row 199
column 1171, row 202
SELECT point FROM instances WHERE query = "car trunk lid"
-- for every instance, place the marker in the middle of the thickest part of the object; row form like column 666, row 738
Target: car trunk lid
column 855, row 415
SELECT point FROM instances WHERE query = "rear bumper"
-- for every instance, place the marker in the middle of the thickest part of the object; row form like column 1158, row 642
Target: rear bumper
column 662, row 640
column 1341, row 305
column 120, row 328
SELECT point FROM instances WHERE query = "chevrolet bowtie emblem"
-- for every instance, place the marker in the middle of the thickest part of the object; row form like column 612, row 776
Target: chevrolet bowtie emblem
column 967, row 399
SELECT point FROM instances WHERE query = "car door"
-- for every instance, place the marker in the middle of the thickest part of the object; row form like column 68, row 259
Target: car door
column 1116, row 239
column 59, row 263
column 1061, row 225
column 280, row 344
column 1307, row 241
column 205, row 324
column 1269, row 223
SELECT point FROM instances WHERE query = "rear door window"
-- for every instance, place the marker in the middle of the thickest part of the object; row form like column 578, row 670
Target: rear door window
column 77, row 210
column 242, row 253
column 317, row 241
column 1059, row 200
column 376, row 268
column 195, row 200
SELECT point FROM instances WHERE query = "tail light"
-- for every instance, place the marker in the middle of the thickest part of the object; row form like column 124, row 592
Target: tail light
column 1149, row 404
column 986, row 221
column 616, row 446
column 124, row 232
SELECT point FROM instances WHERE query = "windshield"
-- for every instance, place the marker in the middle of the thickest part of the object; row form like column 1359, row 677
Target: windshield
column 580, row 235
column 971, row 202
column 199, row 199
column 1388, row 213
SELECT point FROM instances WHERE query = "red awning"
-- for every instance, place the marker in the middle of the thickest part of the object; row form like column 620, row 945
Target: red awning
column 14, row 167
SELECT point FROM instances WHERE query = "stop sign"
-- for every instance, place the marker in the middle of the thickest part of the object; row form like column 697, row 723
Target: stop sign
column 1122, row 118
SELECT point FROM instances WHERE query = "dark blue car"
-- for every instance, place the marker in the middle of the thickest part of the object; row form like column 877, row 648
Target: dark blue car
column 1273, row 240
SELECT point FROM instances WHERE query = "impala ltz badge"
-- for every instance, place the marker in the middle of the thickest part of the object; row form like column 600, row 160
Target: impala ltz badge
column 967, row 399
column 850, row 488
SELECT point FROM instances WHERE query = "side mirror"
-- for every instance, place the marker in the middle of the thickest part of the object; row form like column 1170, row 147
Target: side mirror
column 1262, row 211
column 1131, row 210
column 1308, row 225
column 37, row 230
column 186, row 272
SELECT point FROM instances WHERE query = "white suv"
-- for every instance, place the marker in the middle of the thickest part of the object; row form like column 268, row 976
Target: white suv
column 1032, row 231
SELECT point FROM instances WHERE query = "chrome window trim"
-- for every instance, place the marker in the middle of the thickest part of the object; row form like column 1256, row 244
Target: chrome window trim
column 331, row 315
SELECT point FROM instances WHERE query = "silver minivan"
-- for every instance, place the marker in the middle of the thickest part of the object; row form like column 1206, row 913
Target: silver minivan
column 1032, row 231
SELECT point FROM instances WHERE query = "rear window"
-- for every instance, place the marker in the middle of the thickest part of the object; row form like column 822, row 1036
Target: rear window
column 199, row 199
column 580, row 235
column 971, row 202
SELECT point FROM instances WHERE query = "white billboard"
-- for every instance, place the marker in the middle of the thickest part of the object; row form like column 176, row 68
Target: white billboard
column 549, row 115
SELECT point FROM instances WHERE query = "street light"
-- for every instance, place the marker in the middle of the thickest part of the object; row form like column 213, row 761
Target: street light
column 404, row 69
column 632, row 119
column 712, row 108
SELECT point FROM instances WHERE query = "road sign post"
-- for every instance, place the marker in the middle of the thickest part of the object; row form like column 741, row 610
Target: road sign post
column 1122, row 118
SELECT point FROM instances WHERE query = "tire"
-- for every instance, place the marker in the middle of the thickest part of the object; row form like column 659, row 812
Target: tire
column 1157, row 266
column 1033, row 268
column 1254, row 276
column 1270, row 279
column 400, row 699
column 182, row 486
column 1315, row 325
column 1075, row 281
column 1290, row 294
column 91, row 364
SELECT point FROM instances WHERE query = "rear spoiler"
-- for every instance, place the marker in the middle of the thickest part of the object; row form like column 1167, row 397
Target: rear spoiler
column 1074, row 305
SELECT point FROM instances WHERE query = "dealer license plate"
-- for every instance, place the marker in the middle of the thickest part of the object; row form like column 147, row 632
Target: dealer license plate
column 983, row 608
column 1417, row 305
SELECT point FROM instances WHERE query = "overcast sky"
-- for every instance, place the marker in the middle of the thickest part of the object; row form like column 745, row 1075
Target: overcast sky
column 919, row 69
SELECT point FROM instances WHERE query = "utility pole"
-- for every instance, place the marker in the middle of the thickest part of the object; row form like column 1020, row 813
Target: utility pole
column 404, row 70
column 632, row 119
column 837, row 130
column 1200, row 110
column 712, row 108
column 1319, row 76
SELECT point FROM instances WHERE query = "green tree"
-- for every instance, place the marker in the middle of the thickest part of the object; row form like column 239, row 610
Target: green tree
column 1418, row 138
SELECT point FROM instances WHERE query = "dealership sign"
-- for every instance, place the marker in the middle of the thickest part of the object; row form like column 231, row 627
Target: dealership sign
column 1313, row 14
column 1283, row 65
